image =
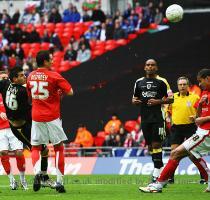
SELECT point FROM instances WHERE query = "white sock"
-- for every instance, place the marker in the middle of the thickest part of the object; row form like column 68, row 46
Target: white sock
column 156, row 172
column 22, row 177
column 60, row 179
column 11, row 177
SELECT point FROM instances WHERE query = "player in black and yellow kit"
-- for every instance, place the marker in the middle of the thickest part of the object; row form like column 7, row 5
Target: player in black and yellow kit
column 18, row 111
column 150, row 93
column 182, row 114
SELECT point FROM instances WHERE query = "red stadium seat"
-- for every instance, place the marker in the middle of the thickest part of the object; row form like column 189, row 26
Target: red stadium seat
column 142, row 30
column 101, row 134
column 26, row 46
column 153, row 26
column 98, row 141
column 110, row 47
column 92, row 44
column 69, row 25
column 35, row 46
column 74, row 63
column 50, row 27
column 122, row 42
column 98, row 52
column 130, row 125
column 64, row 66
column 45, row 46
column 132, row 36
column 108, row 42
column 58, row 54
column 60, row 25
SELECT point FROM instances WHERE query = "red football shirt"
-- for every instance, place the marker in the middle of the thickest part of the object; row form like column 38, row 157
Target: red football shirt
column 3, row 123
column 205, row 110
column 45, row 88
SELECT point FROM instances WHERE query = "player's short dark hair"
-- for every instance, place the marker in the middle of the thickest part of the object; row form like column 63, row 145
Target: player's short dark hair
column 203, row 73
column 41, row 57
column 14, row 72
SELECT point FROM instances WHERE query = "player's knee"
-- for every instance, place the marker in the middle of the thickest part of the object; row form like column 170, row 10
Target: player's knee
column 175, row 154
column 3, row 153
column 19, row 152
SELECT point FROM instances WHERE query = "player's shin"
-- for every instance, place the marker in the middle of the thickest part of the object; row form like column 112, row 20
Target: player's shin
column 36, row 158
column 158, row 162
column 59, row 163
column 21, row 166
column 168, row 170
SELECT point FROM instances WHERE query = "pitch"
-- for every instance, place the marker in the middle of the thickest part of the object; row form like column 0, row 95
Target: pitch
column 103, row 187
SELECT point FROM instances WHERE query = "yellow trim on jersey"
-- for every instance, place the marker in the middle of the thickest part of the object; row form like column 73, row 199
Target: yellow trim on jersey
column 157, row 150
column 183, row 107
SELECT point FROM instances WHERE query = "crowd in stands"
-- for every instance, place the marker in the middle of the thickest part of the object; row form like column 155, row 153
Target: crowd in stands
column 78, row 37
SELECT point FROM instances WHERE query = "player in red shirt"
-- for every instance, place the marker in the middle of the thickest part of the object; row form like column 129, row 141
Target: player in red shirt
column 198, row 144
column 8, row 142
column 45, row 88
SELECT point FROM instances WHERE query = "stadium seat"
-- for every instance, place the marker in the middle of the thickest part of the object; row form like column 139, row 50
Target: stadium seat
column 92, row 44
column 50, row 27
column 122, row 42
column 101, row 134
column 132, row 36
column 110, row 47
column 98, row 52
column 153, row 26
column 64, row 66
column 60, row 25
column 74, row 63
column 142, row 30
column 58, row 54
column 130, row 125
column 98, row 141
column 69, row 25
column 35, row 46
column 45, row 46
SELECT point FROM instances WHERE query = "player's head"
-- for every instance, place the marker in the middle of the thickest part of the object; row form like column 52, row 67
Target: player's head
column 3, row 75
column 203, row 78
column 183, row 84
column 17, row 76
column 150, row 67
column 43, row 59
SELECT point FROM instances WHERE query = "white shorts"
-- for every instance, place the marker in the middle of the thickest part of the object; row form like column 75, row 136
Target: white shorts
column 47, row 132
column 199, row 143
column 8, row 141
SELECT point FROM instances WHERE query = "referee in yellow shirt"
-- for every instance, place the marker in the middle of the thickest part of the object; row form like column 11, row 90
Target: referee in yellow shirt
column 183, row 113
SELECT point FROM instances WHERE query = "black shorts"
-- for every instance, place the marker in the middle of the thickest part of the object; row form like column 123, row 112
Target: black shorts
column 151, row 132
column 181, row 132
column 23, row 133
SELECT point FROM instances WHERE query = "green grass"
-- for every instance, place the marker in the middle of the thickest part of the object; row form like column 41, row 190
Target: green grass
column 111, row 187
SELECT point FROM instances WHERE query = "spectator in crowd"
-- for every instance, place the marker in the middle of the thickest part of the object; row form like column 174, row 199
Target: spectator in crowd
column 67, row 13
column 3, row 41
column 158, row 16
column 84, row 41
column 55, row 40
column 92, row 33
column 74, row 43
column 117, row 15
column 33, row 36
column 15, row 17
column 18, row 33
column 102, row 34
column 113, row 139
column 127, row 12
column 24, row 36
column 109, row 29
column 35, row 17
column 70, row 53
column 129, row 141
column 98, row 14
column 45, row 37
column 86, row 17
column 138, row 137
column 19, row 53
column 119, row 33
column 75, row 16
column 54, row 16
column 138, row 8
column 84, row 54
column 114, row 123
column 83, row 137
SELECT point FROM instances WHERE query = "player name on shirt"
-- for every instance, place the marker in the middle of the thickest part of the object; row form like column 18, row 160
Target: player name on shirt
column 39, row 76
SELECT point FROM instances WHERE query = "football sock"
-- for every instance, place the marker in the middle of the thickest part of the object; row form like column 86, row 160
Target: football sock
column 158, row 162
column 168, row 170
column 36, row 158
column 20, row 163
column 6, row 164
column 59, row 163
column 202, row 167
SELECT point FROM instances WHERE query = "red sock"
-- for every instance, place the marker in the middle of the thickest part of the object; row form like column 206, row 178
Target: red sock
column 168, row 170
column 21, row 163
column 6, row 164
column 59, row 158
column 35, row 154
column 202, row 167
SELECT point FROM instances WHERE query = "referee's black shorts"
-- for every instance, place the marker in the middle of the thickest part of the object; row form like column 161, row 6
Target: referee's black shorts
column 181, row 132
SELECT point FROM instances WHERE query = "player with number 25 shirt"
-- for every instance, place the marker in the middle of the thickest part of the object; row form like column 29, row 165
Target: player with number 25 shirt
column 45, row 88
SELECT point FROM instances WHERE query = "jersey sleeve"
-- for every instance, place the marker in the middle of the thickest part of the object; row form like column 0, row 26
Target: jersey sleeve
column 164, row 89
column 63, row 84
column 136, row 92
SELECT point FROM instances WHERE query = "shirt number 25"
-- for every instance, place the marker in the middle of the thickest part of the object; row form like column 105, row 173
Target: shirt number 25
column 39, row 90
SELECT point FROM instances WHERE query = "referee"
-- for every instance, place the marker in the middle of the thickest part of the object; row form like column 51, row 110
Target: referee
column 183, row 112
